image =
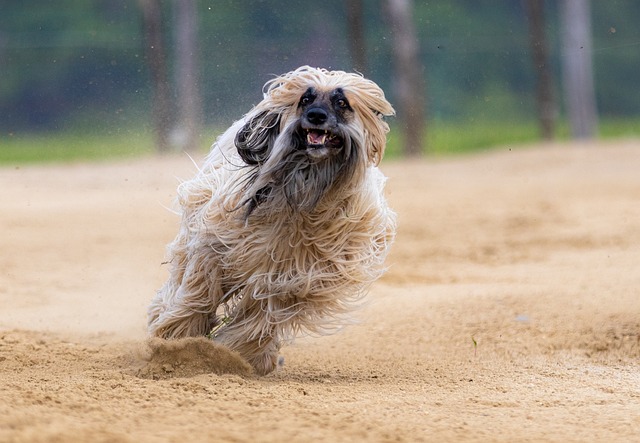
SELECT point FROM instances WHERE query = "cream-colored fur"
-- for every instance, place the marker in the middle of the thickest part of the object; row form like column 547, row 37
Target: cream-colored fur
column 263, row 254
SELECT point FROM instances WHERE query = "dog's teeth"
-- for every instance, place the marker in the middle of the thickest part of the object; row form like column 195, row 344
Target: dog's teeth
column 317, row 136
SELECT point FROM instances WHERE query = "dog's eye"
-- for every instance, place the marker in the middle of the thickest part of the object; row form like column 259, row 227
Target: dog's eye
column 305, row 100
column 342, row 103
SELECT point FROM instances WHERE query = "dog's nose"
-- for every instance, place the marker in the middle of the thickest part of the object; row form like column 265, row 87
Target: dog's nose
column 317, row 116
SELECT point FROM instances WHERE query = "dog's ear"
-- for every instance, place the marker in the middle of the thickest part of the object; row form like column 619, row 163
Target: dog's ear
column 255, row 139
column 377, row 136
column 375, row 131
column 369, row 102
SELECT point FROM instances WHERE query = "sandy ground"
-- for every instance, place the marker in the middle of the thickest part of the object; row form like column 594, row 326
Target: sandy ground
column 510, row 312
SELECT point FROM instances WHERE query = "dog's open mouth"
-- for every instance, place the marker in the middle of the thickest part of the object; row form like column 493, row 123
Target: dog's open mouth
column 321, row 138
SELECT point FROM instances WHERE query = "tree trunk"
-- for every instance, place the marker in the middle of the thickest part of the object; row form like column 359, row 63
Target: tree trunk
column 355, row 35
column 540, row 56
column 157, row 60
column 409, row 74
column 189, row 103
column 578, row 68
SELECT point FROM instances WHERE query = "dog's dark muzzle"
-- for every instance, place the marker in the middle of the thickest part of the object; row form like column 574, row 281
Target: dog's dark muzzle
column 318, row 129
column 317, row 116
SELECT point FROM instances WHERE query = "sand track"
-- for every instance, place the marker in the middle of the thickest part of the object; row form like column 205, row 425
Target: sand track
column 511, row 311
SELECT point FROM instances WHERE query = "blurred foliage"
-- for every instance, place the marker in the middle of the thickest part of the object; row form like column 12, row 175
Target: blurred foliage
column 72, row 63
column 444, row 138
column 72, row 146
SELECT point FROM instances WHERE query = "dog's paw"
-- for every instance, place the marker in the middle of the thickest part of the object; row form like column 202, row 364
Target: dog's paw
column 266, row 363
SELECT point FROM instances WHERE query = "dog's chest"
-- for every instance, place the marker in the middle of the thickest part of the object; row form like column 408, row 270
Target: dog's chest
column 298, row 255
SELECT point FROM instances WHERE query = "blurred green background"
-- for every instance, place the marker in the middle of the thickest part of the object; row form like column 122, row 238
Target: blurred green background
column 75, row 80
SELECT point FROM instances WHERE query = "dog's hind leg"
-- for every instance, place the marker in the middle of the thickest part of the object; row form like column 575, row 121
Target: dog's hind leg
column 252, row 337
column 262, row 354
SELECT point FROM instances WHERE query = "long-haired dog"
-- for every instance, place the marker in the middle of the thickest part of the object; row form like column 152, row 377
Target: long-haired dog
column 285, row 225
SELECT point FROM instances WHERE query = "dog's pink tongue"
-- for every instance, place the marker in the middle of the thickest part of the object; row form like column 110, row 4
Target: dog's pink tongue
column 316, row 138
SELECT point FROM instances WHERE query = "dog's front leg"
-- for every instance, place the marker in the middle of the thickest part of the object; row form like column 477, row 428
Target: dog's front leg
column 186, row 305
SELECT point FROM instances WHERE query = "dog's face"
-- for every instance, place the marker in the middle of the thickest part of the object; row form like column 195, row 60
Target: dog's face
column 322, row 115
column 315, row 131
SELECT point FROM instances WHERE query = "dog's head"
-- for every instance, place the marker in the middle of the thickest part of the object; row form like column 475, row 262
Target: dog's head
column 314, row 129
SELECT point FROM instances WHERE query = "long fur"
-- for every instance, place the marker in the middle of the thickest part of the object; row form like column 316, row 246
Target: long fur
column 273, row 241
